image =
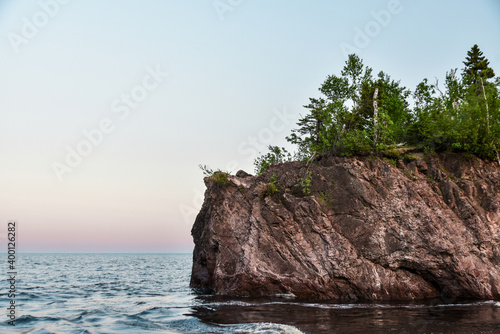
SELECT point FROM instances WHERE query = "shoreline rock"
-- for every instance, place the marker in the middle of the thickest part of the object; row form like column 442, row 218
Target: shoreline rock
column 362, row 228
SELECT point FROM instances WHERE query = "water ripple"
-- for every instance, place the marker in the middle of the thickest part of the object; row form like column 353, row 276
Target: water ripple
column 130, row 293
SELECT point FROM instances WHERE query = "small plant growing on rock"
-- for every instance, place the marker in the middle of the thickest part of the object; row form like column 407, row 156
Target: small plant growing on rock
column 220, row 178
column 274, row 177
column 391, row 161
column 408, row 157
column 207, row 171
column 276, row 155
column 271, row 188
column 409, row 175
column 327, row 198
column 306, row 183
column 268, row 190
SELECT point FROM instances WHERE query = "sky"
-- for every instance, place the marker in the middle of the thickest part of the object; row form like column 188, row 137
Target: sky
column 108, row 107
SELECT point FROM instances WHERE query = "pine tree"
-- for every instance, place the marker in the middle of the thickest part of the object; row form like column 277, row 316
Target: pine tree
column 312, row 134
column 479, row 122
column 477, row 66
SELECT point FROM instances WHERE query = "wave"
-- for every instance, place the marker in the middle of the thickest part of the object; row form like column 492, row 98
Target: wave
column 353, row 305
column 267, row 328
column 26, row 319
column 121, row 299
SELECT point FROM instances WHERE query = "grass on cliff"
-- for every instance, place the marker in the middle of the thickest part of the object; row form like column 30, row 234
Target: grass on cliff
column 218, row 177
column 270, row 188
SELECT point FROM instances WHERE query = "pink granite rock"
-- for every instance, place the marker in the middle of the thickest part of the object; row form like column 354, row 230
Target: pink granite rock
column 367, row 230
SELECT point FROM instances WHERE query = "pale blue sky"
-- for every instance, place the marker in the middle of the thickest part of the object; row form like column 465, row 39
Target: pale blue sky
column 230, row 73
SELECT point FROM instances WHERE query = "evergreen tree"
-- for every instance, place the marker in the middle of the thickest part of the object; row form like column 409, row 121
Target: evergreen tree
column 479, row 122
column 312, row 134
column 465, row 117
column 477, row 66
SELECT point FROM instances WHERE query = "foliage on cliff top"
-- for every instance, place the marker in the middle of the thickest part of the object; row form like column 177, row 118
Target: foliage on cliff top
column 218, row 177
column 358, row 113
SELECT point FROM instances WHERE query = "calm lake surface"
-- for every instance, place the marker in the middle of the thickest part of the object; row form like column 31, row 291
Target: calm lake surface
column 149, row 293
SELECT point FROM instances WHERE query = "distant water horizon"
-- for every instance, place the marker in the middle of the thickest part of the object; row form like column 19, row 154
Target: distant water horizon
column 149, row 293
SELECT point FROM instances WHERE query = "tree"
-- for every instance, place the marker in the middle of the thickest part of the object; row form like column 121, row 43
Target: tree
column 465, row 117
column 314, row 129
column 385, row 109
column 477, row 66
column 435, row 121
column 358, row 113
column 352, row 72
column 480, row 111
column 343, row 121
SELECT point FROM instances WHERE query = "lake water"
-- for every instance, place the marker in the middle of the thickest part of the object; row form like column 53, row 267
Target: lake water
column 149, row 293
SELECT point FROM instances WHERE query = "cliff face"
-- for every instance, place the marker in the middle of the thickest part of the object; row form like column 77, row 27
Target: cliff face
column 366, row 230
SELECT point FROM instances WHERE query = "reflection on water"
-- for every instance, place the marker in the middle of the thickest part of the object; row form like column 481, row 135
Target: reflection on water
column 432, row 316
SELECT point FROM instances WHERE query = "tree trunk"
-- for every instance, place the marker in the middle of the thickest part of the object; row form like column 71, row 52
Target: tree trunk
column 439, row 90
column 487, row 109
column 375, row 116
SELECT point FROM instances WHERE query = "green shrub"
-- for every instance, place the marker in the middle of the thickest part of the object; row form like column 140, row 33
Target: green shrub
column 268, row 190
column 390, row 161
column 220, row 178
column 306, row 183
column 276, row 155
column 271, row 188
column 326, row 198
column 408, row 157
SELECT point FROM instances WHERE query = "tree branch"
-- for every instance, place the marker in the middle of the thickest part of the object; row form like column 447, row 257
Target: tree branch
column 439, row 90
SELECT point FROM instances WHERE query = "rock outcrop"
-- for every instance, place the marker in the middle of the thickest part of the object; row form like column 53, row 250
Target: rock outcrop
column 362, row 228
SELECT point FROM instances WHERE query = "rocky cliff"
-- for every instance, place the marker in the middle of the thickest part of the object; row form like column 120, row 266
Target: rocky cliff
column 353, row 228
